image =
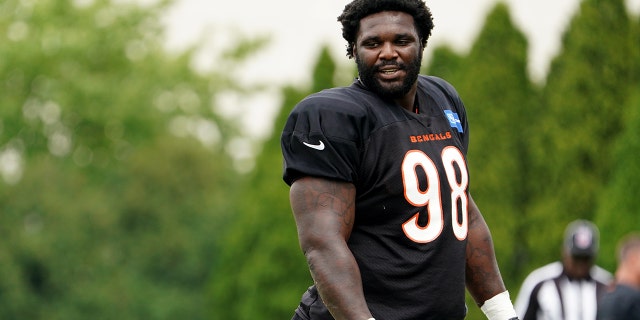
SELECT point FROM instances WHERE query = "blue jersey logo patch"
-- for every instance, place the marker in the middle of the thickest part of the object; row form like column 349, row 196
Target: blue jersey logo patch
column 454, row 120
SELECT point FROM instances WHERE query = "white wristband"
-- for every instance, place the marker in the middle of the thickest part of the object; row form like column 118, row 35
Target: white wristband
column 499, row 307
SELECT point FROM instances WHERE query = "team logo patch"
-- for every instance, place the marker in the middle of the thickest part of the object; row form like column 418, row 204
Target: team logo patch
column 454, row 120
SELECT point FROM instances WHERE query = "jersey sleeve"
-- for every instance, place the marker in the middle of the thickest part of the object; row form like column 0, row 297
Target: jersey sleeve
column 322, row 138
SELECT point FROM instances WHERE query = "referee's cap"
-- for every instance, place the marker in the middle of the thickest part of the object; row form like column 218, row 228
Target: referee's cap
column 581, row 239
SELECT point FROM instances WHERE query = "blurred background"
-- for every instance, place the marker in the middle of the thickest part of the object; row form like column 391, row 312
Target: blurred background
column 140, row 168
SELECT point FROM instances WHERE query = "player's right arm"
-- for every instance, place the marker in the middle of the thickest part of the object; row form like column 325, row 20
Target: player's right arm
column 324, row 212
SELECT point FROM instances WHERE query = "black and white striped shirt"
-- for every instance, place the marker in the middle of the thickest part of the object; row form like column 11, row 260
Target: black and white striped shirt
column 548, row 294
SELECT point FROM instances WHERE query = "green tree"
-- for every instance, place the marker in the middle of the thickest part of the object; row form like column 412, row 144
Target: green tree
column 581, row 116
column 114, row 183
column 138, row 246
column 617, row 205
column 445, row 63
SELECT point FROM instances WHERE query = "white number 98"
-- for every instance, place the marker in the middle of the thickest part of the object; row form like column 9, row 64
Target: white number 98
column 430, row 197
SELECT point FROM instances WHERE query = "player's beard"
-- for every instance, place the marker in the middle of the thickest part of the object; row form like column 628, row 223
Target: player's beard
column 367, row 75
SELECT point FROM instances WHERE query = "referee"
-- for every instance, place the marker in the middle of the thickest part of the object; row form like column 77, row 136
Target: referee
column 567, row 289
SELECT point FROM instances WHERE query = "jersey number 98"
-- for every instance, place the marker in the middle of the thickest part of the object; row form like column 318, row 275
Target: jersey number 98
column 431, row 197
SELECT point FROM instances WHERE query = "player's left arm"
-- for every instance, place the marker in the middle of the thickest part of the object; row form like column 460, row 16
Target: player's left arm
column 483, row 278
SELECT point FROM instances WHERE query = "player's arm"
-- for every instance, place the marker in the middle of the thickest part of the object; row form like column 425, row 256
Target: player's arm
column 324, row 212
column 483, row 278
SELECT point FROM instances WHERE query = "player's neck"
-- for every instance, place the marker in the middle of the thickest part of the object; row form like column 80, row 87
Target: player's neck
column 628, row 278
column 409, row 101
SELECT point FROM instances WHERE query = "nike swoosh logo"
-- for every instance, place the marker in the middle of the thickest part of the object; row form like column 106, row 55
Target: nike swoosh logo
column 319, row 146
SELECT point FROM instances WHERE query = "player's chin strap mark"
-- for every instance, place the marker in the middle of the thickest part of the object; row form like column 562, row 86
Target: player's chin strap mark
column 499, row 307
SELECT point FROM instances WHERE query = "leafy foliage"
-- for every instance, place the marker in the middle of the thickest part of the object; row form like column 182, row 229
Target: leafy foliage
column 114, row 180
column 582, row 115
column 617, row 209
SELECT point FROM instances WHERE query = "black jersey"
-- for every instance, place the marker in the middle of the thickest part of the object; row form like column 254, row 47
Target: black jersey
column 411, row 179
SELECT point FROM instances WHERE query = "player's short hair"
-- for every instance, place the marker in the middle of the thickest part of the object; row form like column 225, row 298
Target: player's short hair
column 358, row 9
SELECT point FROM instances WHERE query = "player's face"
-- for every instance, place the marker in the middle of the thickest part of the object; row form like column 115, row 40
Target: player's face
column 388, row 52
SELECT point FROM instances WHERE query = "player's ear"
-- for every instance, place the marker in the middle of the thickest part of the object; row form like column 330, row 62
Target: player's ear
column 354, row 50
